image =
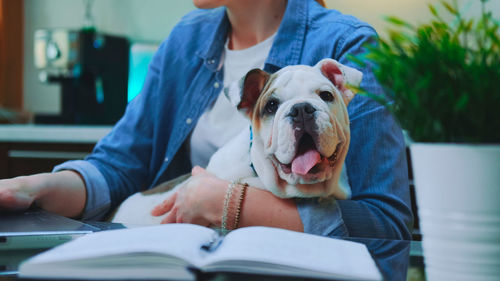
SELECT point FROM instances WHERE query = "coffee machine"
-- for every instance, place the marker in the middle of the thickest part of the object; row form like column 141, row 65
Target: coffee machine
column 92, row 70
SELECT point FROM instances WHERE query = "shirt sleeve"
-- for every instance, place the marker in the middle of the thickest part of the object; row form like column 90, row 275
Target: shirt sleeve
column 376, row 167
column 98, row 199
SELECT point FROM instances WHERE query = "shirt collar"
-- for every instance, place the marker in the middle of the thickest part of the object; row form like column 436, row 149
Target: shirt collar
column 211, row 50
column 287, row 46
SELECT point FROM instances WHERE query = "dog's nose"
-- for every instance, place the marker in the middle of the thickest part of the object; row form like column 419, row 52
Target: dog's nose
column 302, row 112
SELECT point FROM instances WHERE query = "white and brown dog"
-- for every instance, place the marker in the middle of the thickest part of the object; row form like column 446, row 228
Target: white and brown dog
column 297, row 142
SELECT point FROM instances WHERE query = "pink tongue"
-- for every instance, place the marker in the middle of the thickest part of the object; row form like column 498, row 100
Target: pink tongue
column 303, row 163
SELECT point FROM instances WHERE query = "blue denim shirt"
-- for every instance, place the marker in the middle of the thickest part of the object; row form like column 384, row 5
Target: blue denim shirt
column 185, row 76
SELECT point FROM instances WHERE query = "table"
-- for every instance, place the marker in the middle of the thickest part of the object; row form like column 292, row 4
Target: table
column 396, row 259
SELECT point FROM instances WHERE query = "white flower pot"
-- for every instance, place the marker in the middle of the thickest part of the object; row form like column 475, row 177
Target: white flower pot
column 458, row 198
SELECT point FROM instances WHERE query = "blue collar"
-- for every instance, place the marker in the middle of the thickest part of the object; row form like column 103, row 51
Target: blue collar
column 251, row 142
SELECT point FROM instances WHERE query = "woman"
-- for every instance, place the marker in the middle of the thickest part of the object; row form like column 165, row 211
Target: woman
column 153, row 141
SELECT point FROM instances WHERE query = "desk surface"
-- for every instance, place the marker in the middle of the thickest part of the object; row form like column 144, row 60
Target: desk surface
column 396, row 260
column 52, row 133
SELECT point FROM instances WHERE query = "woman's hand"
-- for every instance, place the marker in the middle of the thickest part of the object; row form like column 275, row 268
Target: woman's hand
column 198, row 201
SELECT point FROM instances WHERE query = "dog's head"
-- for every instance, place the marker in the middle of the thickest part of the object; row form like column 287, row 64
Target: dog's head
column 300, row 126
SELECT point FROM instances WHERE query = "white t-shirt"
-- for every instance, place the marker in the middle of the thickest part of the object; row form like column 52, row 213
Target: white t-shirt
column 222, row 121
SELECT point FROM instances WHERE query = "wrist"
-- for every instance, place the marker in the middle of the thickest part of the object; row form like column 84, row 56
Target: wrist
column 41, row 186
column 209, row 200
column 61, row 192
column 34, row 185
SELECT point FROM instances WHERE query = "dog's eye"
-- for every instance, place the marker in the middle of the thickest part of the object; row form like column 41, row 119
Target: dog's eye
column 271, row 106
column 326, row 96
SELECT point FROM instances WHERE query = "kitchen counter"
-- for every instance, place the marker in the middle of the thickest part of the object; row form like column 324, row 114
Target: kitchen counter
column 53, row 133
column 32, row 148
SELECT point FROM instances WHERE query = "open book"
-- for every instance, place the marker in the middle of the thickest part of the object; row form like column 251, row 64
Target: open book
column 171, row 252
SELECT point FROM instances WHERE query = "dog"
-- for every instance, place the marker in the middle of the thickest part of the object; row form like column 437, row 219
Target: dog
column 296, row 144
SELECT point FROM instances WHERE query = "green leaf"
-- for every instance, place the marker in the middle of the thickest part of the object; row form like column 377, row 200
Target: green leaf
column 450, row 8
column 433, row 10
column 398, row 22
column 461, row 102
column 360, row 60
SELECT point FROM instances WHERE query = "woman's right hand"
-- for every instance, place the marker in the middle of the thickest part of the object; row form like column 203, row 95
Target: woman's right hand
column 18, row 193
column 62, row 193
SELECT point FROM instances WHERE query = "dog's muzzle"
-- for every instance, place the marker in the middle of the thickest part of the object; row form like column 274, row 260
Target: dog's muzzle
column 308, row 160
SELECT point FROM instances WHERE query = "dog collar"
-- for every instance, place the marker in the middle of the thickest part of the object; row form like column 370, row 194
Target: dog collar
column 250, row 148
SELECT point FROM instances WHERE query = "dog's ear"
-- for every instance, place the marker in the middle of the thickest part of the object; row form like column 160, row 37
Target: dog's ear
column 252, row 86
column 341, row 76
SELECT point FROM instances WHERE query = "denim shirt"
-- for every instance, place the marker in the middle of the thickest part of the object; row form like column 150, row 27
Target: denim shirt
column 185, row 76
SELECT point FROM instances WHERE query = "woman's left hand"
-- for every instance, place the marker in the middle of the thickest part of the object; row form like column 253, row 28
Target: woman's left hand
column 198, row 201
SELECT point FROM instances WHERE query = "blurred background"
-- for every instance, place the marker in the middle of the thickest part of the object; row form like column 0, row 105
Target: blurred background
column 144, row 23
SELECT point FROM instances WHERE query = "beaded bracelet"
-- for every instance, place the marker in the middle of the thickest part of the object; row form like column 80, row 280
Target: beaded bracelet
column 225, row 208
column 239, row 205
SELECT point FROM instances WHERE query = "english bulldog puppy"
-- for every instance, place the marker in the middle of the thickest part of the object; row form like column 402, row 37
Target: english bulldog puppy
column 296, row 144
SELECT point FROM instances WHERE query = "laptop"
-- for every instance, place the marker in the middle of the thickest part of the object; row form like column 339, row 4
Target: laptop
column 38, row 229
column 25, row 234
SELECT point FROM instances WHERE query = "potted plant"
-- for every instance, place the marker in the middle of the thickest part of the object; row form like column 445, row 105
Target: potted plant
column 442, row 85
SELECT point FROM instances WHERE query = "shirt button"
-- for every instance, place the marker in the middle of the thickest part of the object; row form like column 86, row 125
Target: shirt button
column 216, row 85
column 166, row 159
column 211, row 61
column 189, row 121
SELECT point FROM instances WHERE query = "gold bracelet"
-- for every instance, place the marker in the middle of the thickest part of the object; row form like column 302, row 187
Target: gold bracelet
column 225, row 208
column 239, row 205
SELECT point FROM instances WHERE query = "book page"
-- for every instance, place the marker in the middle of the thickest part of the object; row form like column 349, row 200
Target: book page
column 179, row 240
column 277, row 251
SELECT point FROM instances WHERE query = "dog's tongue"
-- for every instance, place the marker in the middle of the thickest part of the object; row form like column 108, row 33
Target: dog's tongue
column 304, row 162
